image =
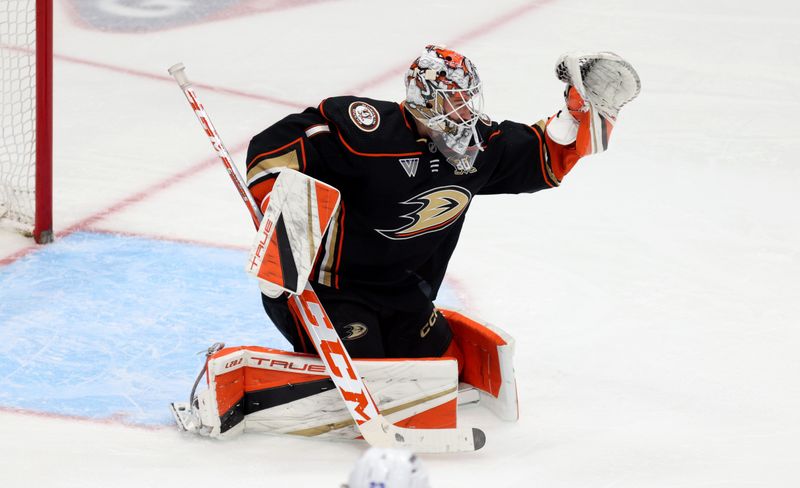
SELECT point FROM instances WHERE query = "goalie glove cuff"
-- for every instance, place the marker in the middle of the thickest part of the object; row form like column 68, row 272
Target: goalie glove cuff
column 562, row 128
column 580, row 123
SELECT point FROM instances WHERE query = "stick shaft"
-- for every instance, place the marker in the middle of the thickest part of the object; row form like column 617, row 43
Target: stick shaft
column 336, row 358
column 330, row 348
column 178, row 72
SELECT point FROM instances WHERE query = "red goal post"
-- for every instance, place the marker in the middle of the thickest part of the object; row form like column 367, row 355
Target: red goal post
column 26, row 116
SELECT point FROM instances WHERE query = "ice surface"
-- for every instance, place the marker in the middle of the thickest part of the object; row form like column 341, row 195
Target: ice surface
column 101, row 326
column 653, row 296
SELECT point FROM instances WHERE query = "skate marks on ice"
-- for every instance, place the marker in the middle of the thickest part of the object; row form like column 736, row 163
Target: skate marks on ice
column 105, row 326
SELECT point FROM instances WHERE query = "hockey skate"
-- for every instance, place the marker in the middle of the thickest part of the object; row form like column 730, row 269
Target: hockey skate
column 187, row 415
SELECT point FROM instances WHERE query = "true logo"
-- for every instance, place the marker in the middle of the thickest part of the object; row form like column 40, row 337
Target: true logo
column 364, row 116
column 436, row 209
column 410, row 165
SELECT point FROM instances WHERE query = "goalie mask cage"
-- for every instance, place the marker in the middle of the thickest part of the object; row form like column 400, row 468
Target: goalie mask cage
column 26, row 53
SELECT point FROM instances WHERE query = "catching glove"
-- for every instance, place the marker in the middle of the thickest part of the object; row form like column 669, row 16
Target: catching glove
column 598, row 85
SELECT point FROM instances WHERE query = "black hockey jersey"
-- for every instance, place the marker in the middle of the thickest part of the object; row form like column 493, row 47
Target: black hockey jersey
column 403, row 203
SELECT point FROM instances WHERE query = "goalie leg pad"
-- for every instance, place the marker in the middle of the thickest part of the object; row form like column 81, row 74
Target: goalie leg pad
column 256, row 389
column 488, row 355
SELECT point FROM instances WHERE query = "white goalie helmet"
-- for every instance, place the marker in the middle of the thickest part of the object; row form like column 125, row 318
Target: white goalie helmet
column 443, row 91
column 388, row 468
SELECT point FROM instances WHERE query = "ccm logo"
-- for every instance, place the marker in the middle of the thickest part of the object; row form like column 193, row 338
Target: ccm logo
column 335, row 356
column 278, row 364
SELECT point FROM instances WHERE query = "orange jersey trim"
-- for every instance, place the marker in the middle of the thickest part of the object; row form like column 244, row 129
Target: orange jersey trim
column 402, row 106
column 541, row 157
column 377, row 155
column 322, row 110
column 339, row 251
column 358, row 153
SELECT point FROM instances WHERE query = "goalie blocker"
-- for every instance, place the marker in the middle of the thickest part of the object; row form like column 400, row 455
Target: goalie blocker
column 257, row 389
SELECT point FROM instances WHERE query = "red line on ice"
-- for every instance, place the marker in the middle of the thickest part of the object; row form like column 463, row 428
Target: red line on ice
column 144, row 194
column 105, row 421
column 472, row 34
column 476, row 32
column 152, row 76
column 155, row 237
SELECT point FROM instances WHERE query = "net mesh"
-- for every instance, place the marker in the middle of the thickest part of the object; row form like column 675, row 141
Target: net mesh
column 18, row 111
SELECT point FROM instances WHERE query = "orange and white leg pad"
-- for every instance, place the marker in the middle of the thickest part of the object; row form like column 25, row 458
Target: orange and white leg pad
column 488, row 364
column 257, row 389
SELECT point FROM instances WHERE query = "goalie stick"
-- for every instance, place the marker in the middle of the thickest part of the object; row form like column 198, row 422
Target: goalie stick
column 374, row 427
column 177, row 72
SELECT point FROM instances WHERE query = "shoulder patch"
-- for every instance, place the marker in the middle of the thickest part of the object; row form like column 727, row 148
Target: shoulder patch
column 364, row 116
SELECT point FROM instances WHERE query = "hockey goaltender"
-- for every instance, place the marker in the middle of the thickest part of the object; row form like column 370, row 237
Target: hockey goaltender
column 406, row 174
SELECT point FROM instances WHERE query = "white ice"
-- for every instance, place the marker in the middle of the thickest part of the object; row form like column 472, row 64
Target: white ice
column 653, row 297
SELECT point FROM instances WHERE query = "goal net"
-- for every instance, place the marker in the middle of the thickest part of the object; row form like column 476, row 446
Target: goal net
column 25, row 116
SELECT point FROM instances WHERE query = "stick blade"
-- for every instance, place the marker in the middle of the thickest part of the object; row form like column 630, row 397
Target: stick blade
column 383, row 434
column 479, row 438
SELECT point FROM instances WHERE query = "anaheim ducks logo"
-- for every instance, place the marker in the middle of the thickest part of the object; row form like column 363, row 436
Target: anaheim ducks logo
column 354, row 331
column 437, row 209
column 364, row 116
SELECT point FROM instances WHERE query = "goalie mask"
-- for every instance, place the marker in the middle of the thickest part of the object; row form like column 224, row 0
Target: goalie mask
column 388, row 468
column 443, row 91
